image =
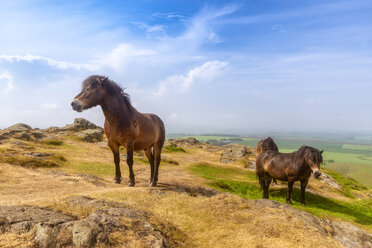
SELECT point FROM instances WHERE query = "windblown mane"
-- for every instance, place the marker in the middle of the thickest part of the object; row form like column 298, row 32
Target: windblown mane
column 112, row 88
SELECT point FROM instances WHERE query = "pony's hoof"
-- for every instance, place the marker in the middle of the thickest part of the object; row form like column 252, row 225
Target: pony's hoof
column 289, row 202
column 131, row 184
column 116, row 180
column 153, row 184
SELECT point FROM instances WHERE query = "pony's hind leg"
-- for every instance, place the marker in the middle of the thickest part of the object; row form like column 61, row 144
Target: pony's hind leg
column 265, row 181
column 268, row 179
column 130, row 163
column 150, row 157
column 157, row 157
column 115, row 150
column 289, row 193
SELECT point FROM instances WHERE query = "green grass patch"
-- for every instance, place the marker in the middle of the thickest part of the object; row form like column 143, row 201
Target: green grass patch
column 357, row 147
column 228, row 180
column 52, row 142
column 348, row 184
column 49, row 162
column 94, row 168
column 173, row 148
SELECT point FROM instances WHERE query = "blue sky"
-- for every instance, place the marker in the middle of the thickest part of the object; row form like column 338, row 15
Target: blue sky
column 202, row 66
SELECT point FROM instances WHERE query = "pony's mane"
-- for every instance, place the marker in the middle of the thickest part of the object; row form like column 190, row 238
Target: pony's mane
column 269, row 144
column 300, row 153
column 112, row 88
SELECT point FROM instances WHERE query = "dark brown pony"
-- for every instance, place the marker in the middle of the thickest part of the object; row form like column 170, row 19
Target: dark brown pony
column 291, row 167
column 265, row 145
column 124, row 125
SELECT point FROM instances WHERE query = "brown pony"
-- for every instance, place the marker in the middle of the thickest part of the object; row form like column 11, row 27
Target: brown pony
column 265, row 145
column 124, row 125
column 291, row 167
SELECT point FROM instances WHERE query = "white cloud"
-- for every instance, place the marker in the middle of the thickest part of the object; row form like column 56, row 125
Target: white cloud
column 169, row 15
column 181, row 83
column 63, row 65
column 150, row 28
column 6, row 82
column 123, row 55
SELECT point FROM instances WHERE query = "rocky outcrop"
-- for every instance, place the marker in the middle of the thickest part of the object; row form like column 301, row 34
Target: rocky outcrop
column 329, row 180
column 80, row 124
column 21, row 131
column 345, row 233
column 53, row 229
column 91, row 135
column 187, row 142
column 19, row 127
column 233, row 152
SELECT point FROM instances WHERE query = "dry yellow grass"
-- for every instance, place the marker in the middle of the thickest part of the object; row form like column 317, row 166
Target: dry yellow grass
column 218, row 221
column 223, row 220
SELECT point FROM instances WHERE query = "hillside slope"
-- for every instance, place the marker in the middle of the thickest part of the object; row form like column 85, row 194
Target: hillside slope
column 56, row 190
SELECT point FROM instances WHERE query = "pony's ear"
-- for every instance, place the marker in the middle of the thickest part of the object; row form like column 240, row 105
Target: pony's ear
column 321, row 152
column 102, row 79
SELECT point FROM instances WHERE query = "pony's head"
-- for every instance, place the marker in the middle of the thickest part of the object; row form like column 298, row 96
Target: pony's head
column 91, row 94
column 313, row 158
column 95, row 89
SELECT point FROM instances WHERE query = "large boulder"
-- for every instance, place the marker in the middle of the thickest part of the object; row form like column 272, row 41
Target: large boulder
column 189, row 142
column 91, row 135
column 80, row 124
column 234, row 151
column 19, row 127
column 15, row 129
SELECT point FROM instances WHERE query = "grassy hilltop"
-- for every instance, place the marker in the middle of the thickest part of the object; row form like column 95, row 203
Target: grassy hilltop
column 189, row 208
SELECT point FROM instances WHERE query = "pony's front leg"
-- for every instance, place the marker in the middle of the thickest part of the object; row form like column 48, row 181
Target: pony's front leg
column 303, row 187
column 289, row 193
column 130, row 164
column 115, row 150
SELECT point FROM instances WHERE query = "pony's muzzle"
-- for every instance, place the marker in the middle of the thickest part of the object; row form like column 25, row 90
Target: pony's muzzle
column 76, row 105
column 317, row 173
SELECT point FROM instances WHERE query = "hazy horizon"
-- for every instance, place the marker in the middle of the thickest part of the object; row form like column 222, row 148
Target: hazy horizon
column 204, row 67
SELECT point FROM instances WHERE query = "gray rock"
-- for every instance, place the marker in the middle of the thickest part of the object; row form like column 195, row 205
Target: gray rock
column 234, row 151
column 84, row 233
column 350, row 235
column 21, row 227
column 52, row 130
column 5, row 134
column 45, row 235
column 19, row 143
column 19, row 127
column 226, row 160
column 23, row 136
column 80, row 124
column 16, row 214
column 37, row 134
column 91, row 135
column 38, row 154
column 329, row 180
